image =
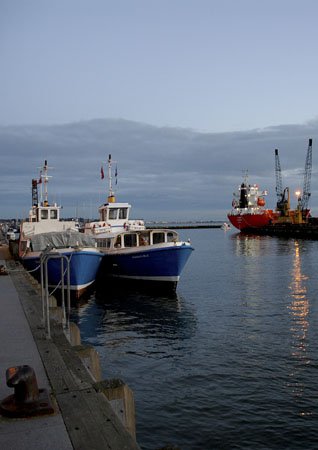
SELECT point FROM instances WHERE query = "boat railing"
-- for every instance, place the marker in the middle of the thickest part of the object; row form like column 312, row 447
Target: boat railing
column 46, row 256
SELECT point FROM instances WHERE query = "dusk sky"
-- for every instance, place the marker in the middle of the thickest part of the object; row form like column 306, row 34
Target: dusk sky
column 210, row 67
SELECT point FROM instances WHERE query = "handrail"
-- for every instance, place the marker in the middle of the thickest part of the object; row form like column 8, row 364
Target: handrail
column 44, row 259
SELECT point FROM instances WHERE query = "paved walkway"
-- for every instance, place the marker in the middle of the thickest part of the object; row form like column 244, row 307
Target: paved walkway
column 86, row 419
column 18, row 348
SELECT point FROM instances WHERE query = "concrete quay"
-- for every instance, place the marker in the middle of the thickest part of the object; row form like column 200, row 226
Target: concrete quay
column 84, row 418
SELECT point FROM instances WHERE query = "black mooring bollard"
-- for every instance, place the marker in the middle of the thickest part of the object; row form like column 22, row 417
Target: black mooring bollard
column 23, row 380
column 28, row 400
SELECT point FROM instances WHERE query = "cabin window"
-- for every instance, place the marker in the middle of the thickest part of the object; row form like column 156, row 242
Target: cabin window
column 44, row 214
column 112, row 214
column 130, row 240
column 53, row 214
column 103, row 215
column 144, row 239
column 103, row 243
column 158, row 238
column 123, row 213
column 170, row 237
column 117, row 243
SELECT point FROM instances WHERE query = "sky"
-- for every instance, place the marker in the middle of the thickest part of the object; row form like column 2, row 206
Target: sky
column 212, row 66
column 185, row 94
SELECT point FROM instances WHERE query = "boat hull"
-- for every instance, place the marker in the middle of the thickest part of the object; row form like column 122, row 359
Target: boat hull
column 245, row 221
column 158, row 266
column 84, row 265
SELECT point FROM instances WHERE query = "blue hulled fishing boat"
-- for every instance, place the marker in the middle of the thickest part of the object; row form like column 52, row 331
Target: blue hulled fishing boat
column 45, row 232
column 132, row 252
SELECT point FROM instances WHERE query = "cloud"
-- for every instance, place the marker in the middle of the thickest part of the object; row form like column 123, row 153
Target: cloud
column 164, row 172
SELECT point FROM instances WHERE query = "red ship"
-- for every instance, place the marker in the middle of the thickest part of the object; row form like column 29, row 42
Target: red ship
column 248, row 207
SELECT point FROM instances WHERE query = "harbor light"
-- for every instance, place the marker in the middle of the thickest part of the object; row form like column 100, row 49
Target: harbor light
column 298, row 193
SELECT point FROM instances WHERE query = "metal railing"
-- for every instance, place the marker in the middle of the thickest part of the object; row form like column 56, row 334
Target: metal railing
column 44, row 260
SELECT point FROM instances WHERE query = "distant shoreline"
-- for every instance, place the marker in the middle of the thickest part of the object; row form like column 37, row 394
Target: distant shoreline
column 185, row 225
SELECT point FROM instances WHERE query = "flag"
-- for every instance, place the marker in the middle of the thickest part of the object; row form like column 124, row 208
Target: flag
column 116, row 174
column 102, row 173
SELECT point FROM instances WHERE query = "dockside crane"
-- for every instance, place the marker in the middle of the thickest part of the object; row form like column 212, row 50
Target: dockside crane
column 283, row 203
column 35, row 199
column 304, row 200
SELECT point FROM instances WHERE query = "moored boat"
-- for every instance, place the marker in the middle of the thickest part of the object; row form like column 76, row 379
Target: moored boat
column 134, row 253
column 44, row 231
column 83, row 256
column 248, row 207
column 154, row 256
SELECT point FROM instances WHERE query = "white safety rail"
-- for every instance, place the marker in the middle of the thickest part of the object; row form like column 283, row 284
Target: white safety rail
column 45, row 258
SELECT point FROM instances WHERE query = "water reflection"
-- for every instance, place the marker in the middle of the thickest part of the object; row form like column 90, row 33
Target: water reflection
column 120, row 320
column 254, row 245
column 249, row 276
column 299, row 310
column 250, row 244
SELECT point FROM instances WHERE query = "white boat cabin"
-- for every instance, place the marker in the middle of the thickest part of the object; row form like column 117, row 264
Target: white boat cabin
column 138, row 238
column 113, row 217
column 43, row 219
column 44, row 213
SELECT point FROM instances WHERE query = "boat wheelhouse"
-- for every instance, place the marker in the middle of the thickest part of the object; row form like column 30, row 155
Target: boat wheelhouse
column 113, row 216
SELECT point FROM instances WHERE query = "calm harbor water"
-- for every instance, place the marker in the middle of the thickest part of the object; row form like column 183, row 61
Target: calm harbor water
column 232, row 362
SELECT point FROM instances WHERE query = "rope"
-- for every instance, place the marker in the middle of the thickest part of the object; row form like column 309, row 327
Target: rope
column 51, row 293
column 18, row 270
column 33, row 270
column 11, row 270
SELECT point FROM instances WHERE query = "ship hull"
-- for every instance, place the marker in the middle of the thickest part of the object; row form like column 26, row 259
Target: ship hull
column 245, row 221
column 84, row 265
column 160, row 266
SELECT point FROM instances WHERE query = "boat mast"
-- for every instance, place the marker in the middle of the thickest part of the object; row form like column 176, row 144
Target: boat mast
column 246, row 177
column 111, row 197
column 46, row 179
column 41, row 189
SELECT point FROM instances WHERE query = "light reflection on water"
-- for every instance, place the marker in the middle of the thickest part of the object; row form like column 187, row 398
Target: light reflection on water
column 299, row 311
column 230, row 362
